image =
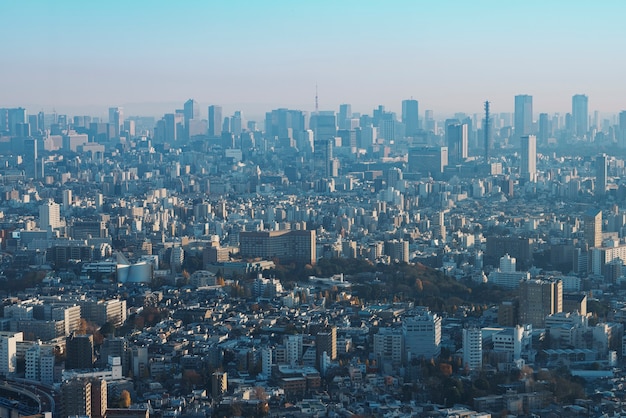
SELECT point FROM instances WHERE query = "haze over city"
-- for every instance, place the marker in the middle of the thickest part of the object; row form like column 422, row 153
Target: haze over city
column 80, row 57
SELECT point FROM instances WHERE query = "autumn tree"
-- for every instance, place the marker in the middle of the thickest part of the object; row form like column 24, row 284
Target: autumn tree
column 124, row 401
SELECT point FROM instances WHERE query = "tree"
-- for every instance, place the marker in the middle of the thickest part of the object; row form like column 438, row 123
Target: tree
column 125, row 401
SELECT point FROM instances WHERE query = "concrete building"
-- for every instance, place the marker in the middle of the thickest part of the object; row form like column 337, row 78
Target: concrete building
column 285, row 245
column 538, row 299
column 472, row 348
column 8, row 351
column 422, row 333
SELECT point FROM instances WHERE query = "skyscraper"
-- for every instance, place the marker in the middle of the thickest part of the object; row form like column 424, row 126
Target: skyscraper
column 580, row 115
column 621, row 141
column 523, row 115
column 538, row 299
column 345, row 113
column 410, row 116
column 116, row 118
column 457, row 138
column 215, row 121
column 528, row 163
column 593, row 227
column 601, row 172
column 191, row 111
column 544, row 129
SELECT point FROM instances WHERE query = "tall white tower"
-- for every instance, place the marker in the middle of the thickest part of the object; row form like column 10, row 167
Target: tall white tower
column 472, row 348
column 49, row 215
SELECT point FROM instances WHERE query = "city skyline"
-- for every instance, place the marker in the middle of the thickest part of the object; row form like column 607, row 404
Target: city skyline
column 450, row 56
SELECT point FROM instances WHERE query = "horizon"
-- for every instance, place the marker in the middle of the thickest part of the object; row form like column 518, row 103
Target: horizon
column 450, row 56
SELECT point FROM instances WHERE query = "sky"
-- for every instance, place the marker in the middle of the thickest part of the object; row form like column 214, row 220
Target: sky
column 81, row 57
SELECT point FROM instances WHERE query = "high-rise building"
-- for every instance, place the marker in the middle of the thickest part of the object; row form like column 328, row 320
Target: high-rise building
column 528, row 160
column 457, row 139
column 191, row 111
column 593, row 227
column 326, row 342
column 116, row 119
column 76, row 398
column 389, row 345
column 428, row 160
column 323, row 157
column 422, row 334
column 523, row 115
column 8, row 351
column 345, row 113
column 219, row 384
column 397, row 250
column 324, row 125
column 543, row 133
column 49, row 215
column 215, row 121
column 601, row 173
column 79, row 350
column 538, row 299
column 580, row 115
column 410, row 117
column 472, row 348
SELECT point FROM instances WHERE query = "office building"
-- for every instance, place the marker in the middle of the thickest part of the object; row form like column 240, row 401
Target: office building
column 593, row 227
column 324, row 125
column 79, row 350
column 538, row 299
column 523, row 123
column 323, row 158
column 84, row 397
column 344, row 116
column 76, row 398
column 410, row 117
column 389, row 345
column 472, row 348
column 49, row 215
column 397, row 250
column 215, row 121
column 528, row 160
column 518, row 247
column 116, row 119
column 580, row 115
column 601, row 173
column 326, row 342
column 422, row 334
column 457, row 139
column 428, row 160
column 544, row 132
column 284, row 245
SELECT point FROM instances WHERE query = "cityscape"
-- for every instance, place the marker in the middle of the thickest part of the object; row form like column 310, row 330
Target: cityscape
column 314, row 263
column 312, row 209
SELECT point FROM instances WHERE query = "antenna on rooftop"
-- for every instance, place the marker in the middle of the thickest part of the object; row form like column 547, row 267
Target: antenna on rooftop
column 486, row 132
column 317, row 108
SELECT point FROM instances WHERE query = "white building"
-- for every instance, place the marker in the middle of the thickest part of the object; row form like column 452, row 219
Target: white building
column 8, row 351
column 506, row 276
column 389, row 345
column 293, row 348
column 472, row 348
column 422, row 334
column 49, row 215
column 40, row 363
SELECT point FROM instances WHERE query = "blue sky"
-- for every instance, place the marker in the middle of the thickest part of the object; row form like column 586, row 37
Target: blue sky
column 256, row 55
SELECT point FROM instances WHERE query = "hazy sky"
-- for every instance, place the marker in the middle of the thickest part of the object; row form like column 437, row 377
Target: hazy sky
column 83, row 56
